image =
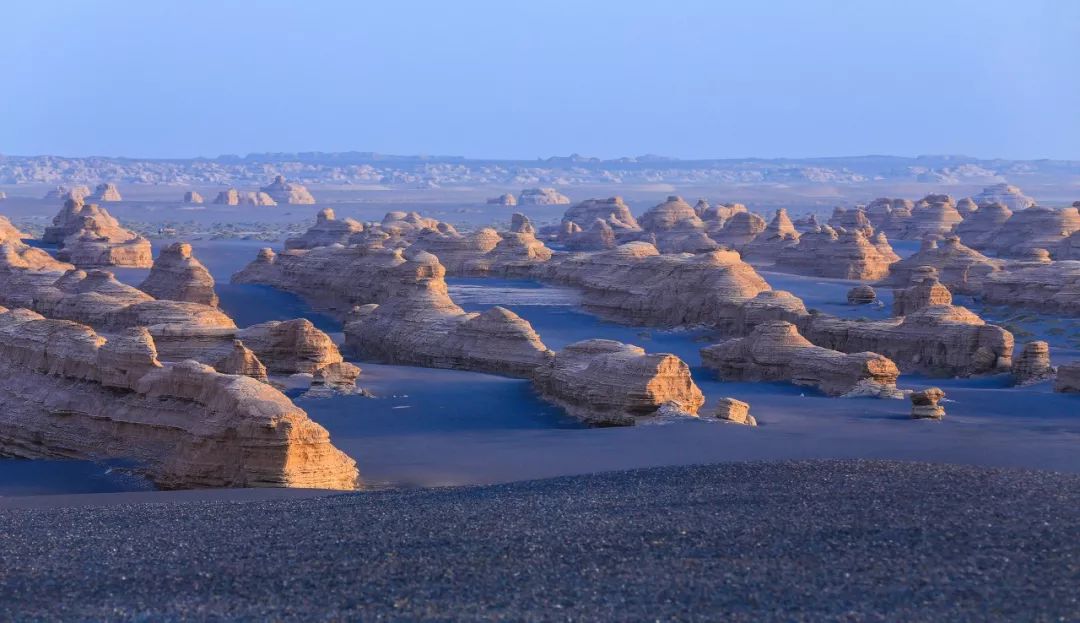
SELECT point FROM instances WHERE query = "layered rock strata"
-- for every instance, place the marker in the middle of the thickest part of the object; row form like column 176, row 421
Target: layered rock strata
column 106, row 193
column 734, row 411
column 932, row 215
column 1068, row 378
column 506, row 199
column 89, row 237
column 70, row 393
column 1034, row 228
column 861, row 295
column 775, row 351
column 298, row 347
column 674, row 227
column 608, row 383
column 766, row 246
column 926, row 291
column 1005, row 194
column 282, row 191
column 978, row 229
column 924, row 404
column 739, row 230
column 326, row 231
column 177, row 276
column 1033, row 364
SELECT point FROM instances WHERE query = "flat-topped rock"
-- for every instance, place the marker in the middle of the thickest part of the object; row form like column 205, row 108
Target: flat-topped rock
column 326, row 231
column 542, row 197
column 70, row 393
column 1033, row 364
column 1052, row 287
column 608, row 383
column 599, row 236
column 283, row 191
column 105, row 193
column 505, row 199
column 926, row 291
column 1005, row 194
column 90, row 237
column 924, row 404
column 177, row 276
column 932, row 215
column 766, row 246
column 775, row 351
column 234, row 197
column 734, row 411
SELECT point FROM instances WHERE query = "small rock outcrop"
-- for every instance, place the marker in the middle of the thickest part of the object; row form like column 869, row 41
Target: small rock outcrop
column 734, row 411
column 674, row 227
column 543, row 197
column 233, row 197
column 932, row 215
column 890, row 215
column 612, row 211
column 861, row 295
column 925, row 291
column 924, row 404
column 608, row 383
column 505, row 199
column 766, row 246
column 1050, row 287
column 70, row 393
column 1033, row 364
column 1068, row 378
column 775, row 351
column 282, row 191
column 177, row 276
column 962, row 269
column 106, row 193
column 89, row 237
column 193, row 196
column 326, row 231
column 298, row 347
column 739, row 230
column 841, row 255
column 243, row 361
column 978, row 229
column 64, row 193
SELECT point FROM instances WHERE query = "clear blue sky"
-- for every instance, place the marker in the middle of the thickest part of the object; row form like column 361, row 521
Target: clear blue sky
column 526, row 79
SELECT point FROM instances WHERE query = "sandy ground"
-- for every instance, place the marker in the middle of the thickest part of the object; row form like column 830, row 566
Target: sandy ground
column 796, row 541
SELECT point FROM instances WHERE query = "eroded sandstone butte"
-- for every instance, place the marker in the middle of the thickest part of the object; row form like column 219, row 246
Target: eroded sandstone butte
column 70, row 393
column 962, row 269
column 542, row 197
column 177, row 276
column 326, row 231
column 89, row 237
column 282, row 191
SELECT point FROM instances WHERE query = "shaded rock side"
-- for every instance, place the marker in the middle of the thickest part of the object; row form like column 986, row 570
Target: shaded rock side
column 766, row 246
column 962, row 269
column 70, row 393
column 924, row 404
column 193, row 196
column 1034, row 228
column 852, row 219
column 840, row 255
column 674, row 227
column 1005, row 194
column 506, row 199
column 1033, row 364
column 89, row 237
column 978, row 229
column 775, row 351
column 105, row 193
column 926, row 291
column 1068, row 378
column 298, row 347
column 177, row 276
column 608, row 383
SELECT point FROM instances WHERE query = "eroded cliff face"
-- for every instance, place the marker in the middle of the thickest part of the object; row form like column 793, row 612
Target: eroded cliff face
column 10, row 233
column 608, row 383
column 766, row 246
column 286, row 192
column 298, row 347
column 70, row 393
column 852, row 219
column 1068, row 378
column 775, row 351
column 837, row 254
column 1052, row 287
column 943, row 340
column 613, row 212
column 1033, row 228
column 962, row 269
column 89, row 237
column 926, row 291
column 177, row 276
column 933, row 215
column 674, row 227
column 978, row 229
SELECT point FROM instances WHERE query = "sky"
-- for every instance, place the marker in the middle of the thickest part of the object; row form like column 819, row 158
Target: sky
column 528, row 79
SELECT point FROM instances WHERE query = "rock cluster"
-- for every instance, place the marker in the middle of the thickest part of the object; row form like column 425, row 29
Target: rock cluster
column 177, row 276
column 1005, row 194
column 933, row 215
column 608, row 383
column 924, row 404
column 597, row 224
column 1033, row 364
column 326, row 231
column 88, row 236
column 542, row 197
column 734, row 411
column 70, row 393
column 298, row 347
column 775, row 351
column 767, row 246
column 1052, row 287
column 738, row 230
column 193, row 196
column 233, row 197
column 978, row 229
column 1033, row 228
column 63, row 193
column 925, row 291
column 282, row 191
column 852, row 219
column 506, row 199
column 962, row 269
column 106, row 193
column 842, row 254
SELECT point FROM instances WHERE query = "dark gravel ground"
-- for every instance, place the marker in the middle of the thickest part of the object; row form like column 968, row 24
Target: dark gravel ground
column 795, row 541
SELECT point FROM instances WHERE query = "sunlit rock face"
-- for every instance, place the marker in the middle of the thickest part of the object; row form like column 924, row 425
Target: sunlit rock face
column 1050, row 287
column 542, row 197
column 838, row 254
column 234, row 197
column 105, row 193
column 298, row 347
column 326, row 231
column 10, row 233
column 608, row 383
column 635, row 284
column 924, row 404
column 674, row 227
column 890, row 215
column 978, row 229
column 1033, row 364
column 933, row 215
column 852, row 219
column 177, row 276
column 64, row 193
column 766, row 246
column 1034, row 228
column 943, row 340
column 89, row 237
column 716, row 216
column 282, row 191
column 962, row 269
column 71, row 393
column 1005, row 194
column 612, row 211
column 734, row 411
column 775, row 351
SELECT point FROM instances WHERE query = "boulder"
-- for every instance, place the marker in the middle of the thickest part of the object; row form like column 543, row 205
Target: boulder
column 861, row 295
column 505, row 199
column 734, row 411
column 924, row 404
column 282, row 191
column 106, row 193
column 542, row 197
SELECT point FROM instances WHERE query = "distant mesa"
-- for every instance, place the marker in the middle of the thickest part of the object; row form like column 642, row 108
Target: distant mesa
column 106, row 193
column 505, row 199
column 542, row 197
column 233, row 197
column 282, row 191
column 1006, row 194
column 63, row 192
column 177, row 276
column 192, row 196
column 88, row 236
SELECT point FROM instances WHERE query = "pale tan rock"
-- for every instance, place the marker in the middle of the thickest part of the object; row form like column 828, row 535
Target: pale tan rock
column 1005, row 194
column 962, row 269
column 70, row 393
column 193, row 196
column 10, row 233
column 932, row 215
column 505, row 199
column 925, row 291
column 1033, row 364
column 1033, row 228
column 924, row 404
column 840, row 255
column 775, row 351
column 608, row 383
column 734, row 411
column 613, row 211
column 542, row 197
column 516, row 254
column 966, row 207
column 90, row 237
column 978, row 229
column 807, row 223
column 635, row 284
column 716, row 216
column 943, row 340
column 598, row 237
column 766, row 246
column 233, row 197
column 106, row 193
column 1068, row 378
column 890, row 215
column 1052, row 288
column 326, row 231
column 63, row 193
column 739, row 230
column 407, row 225
column 297, row 347
column 177, row 276
column 282, row 191
column 861, row 295
column 229, row 197
column 852, row 219
column 242, row 360
column 674, row 227
column 456, row 251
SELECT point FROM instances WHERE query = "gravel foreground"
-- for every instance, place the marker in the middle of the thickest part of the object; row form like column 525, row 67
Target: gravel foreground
column 789, row 541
